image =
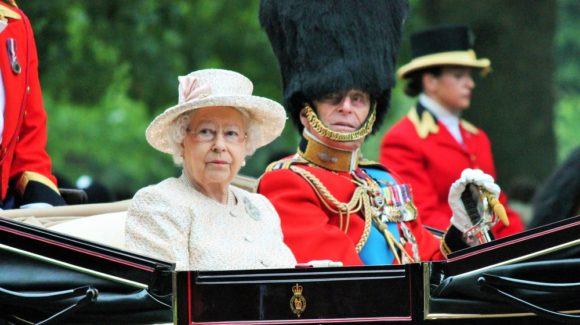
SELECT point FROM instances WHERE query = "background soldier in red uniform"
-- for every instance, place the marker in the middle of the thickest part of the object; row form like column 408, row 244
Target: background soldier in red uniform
column 337, row 60
column 26, row 177
column 432, row 145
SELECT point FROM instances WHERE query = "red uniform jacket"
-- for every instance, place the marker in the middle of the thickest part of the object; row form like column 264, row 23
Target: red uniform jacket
column 424, row 154
column 311, row 230
column 25, row 164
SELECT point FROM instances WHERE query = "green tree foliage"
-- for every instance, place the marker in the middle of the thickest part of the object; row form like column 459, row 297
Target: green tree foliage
column 567, row 121
column 568, row 48
column 567, row 117
column 106, row 142
column 90, row 41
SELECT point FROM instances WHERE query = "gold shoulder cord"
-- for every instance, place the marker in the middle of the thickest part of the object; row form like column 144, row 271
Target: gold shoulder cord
column 392, row 242
column 359, row 200
column 389, row 237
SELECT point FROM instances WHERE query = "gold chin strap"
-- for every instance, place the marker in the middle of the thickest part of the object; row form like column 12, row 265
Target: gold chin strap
column 324, row 131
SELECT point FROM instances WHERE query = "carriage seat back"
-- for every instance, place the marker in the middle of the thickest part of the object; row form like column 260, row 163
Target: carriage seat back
column 107, row 228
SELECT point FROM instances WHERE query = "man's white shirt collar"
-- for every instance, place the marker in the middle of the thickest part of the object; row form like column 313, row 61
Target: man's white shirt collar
column 450, row 120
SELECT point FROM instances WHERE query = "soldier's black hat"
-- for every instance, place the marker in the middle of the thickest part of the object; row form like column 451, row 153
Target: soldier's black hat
column 328, row 46
column 443, row 45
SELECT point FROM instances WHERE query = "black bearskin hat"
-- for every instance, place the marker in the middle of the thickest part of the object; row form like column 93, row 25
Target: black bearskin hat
column 334, row 45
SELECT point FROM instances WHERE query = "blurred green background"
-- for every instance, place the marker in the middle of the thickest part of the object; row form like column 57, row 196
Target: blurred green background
column 109, row 67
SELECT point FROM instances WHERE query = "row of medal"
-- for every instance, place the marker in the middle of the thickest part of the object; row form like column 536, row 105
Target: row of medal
column 393, row 203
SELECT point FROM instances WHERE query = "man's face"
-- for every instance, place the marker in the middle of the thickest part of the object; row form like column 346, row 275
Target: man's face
column 341, row 112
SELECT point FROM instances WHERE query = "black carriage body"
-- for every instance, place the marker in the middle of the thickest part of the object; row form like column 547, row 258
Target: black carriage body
column 446, row 292
column 44, row 274
column 324, row 295
column 540, row 266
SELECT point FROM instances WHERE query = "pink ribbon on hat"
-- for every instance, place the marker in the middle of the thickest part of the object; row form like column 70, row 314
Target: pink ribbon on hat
column 190, row 88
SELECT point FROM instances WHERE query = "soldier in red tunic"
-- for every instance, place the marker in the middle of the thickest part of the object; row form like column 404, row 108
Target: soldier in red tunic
column 26, row 177
column 337, row 61
column 432, row 145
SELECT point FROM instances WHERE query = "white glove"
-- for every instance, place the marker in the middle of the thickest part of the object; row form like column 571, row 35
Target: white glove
column 470, row 179
column 323, row 263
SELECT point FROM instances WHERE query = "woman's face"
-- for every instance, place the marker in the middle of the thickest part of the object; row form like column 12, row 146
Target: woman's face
column 452, row 89
column 214, row 147
column 342, row 112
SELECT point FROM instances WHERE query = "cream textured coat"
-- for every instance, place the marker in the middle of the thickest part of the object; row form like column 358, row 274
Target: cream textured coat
column 174, row 222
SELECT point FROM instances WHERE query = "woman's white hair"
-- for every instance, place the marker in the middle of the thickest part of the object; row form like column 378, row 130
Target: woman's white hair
column 178, row 130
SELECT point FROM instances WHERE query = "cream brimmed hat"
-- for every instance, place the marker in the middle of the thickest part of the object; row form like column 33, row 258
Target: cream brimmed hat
column 445, row 45
column 217, row 87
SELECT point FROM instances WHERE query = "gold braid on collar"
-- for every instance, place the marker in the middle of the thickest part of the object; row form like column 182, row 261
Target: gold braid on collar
column 324, row 131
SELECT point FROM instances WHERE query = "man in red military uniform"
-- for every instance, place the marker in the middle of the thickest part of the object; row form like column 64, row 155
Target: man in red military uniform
column 26, row 178
column 334, row 204
column 432, row 145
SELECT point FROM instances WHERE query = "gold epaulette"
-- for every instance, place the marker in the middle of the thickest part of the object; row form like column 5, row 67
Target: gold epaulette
column 11, row 3
column 469, row 127
column 285, row 163
column 424, row 124
column 370, row 163
column 27, row 177
column 6, row 12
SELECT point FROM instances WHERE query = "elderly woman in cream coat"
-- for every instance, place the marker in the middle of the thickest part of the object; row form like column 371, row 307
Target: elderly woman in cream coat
column 200, row 221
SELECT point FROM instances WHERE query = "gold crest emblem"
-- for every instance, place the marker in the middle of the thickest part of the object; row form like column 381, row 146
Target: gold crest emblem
column 297, row 302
